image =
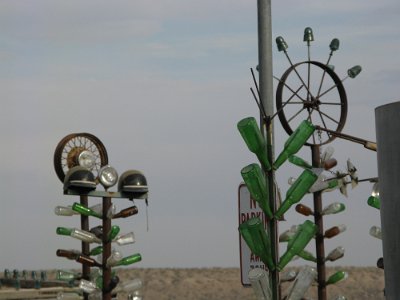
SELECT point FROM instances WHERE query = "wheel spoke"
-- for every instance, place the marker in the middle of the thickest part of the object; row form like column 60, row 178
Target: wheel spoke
column 329, row 117
column 328, row 90
column 298, row 75
column 295, row 115
column 290, row 89
column 331, row 103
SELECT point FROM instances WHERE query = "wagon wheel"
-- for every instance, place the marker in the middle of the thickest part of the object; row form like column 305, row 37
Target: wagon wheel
column 323, row 102
column 79, row 149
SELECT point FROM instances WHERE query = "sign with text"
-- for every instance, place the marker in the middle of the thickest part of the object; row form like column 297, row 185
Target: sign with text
column 248, row 208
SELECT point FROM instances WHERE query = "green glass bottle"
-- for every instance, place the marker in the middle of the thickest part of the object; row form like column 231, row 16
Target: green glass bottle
column 79, row 208
column 304, row 254
column 298, row 161
column 374, row 202
column 303, row 236
column 336, row 277
column 296, row 140
column 96, row 251
column 128, row 260
column 257, row 186
column 297, row 191
column 113, row 232
column 255, row 141
column 66, row 275
column 256, row 238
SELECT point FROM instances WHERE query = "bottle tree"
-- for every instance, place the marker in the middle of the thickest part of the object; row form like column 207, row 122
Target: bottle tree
column 313, row 112
column 81, row 163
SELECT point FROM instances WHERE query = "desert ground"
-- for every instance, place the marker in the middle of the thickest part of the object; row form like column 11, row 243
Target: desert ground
column 224, row 283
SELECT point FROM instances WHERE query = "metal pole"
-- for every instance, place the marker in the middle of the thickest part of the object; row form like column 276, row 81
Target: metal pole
column 85, row 246
column 388, row 140
column 319, row 237
column 267, row 103
column 106, row 248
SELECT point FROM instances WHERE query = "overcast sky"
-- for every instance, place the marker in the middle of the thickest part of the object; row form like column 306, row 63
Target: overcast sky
column 162, row 84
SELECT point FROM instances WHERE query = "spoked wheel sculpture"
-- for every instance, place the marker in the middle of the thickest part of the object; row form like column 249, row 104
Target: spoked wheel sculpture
column 79, row 149
column 311, row 90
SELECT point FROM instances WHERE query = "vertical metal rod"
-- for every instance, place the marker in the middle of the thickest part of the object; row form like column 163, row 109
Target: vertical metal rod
column 267, row 101
column 106, row 248
column 85, row 246
column 319, row 238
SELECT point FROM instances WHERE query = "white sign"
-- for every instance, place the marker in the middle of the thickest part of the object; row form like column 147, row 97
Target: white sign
column 248, row 208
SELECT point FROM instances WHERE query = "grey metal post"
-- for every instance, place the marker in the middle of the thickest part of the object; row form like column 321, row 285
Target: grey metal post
column 388, row 140
column 267, row 102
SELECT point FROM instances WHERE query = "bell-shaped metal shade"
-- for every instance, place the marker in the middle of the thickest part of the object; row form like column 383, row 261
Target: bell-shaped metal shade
column 334, row 45
column 354, row 71
column 281, row 44
column 308, row 35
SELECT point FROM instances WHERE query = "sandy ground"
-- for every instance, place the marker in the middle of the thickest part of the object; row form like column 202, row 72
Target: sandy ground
column 224, row 283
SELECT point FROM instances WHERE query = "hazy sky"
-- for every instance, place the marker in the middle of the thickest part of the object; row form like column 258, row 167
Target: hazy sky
column 162, row 84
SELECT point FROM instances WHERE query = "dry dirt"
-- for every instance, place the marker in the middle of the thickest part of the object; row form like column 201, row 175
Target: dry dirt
column 224, row 283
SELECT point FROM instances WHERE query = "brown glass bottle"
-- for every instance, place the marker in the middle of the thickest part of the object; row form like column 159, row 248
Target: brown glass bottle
column 304, row 210
column 330, row 163
column 334, row 231
column 88, row 261
column 70, row 254
column 127, row 212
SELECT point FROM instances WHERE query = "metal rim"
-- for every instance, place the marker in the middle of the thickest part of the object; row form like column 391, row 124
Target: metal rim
column 312, row 104
column 68, row 149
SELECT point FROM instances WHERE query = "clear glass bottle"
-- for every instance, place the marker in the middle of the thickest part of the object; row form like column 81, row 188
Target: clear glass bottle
column 302, row 283
column 287, row 276
column 114, row 258
column 288, row 234
column 125, row 239
column 87, row 286
column 333, row 208
column 335, row 254
column 64, row 211
column 259, row 281
column 79, row 234
column 129, row 286
column 376, row 232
